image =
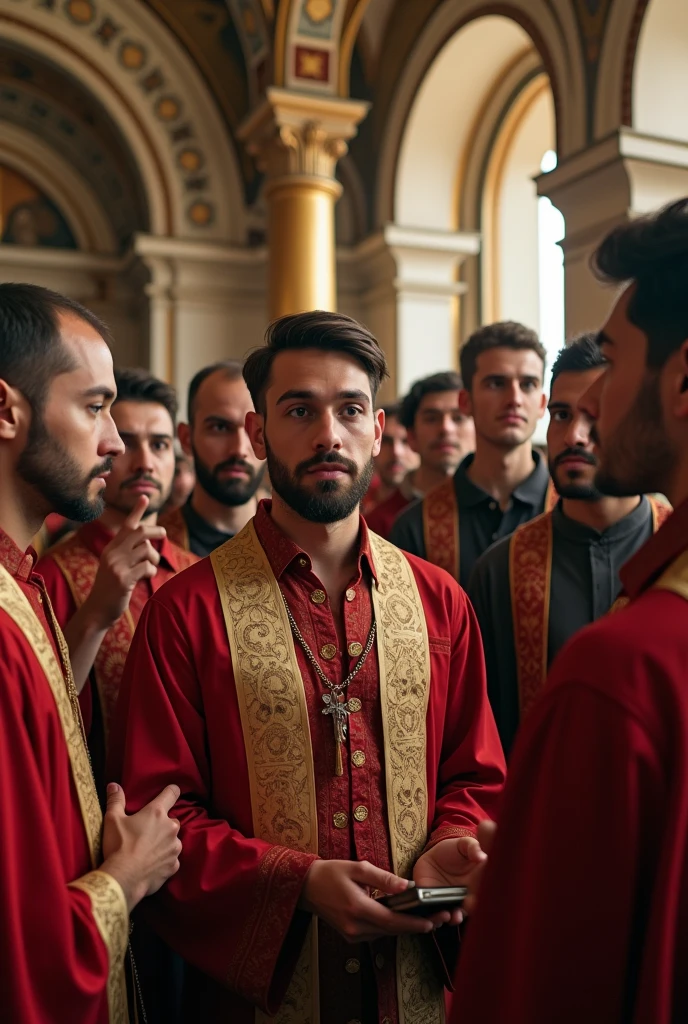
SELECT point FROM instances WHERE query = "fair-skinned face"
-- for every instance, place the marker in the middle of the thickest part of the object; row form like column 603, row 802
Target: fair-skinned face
column 442, row 434
column 72, row 443
column 147, row 464
column 641, row 413
column 396, row 457
column 571, row 449
column 506, row 398
column 226, row 466
column 319, row 433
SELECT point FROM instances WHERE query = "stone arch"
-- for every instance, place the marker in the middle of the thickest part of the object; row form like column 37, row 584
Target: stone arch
column 143, row 78
column 660, row 71
column 314, row 42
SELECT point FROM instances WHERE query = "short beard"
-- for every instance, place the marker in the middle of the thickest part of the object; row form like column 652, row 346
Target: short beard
column 637, row 458
column 329, row 503
column 155, row 501
column 231, row 493
column 49, row 468
column 570, row 489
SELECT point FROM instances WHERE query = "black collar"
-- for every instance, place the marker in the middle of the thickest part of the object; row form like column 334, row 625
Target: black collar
column 530, row 491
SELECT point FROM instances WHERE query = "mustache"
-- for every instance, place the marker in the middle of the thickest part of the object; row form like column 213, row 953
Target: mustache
column 233, row 463
column 104, row 467
column 331, row 458
column 141, row 478
column 576, row 453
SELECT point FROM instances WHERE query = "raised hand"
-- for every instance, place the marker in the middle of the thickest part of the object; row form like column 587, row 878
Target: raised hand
column 451, row 862
column 141, row 851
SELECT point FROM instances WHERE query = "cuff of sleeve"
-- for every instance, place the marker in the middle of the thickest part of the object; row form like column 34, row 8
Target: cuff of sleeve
column 109, row 909
column 449, row 832
column 264, row 965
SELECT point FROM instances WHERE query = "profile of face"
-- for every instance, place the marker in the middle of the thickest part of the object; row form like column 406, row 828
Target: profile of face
column 442, row 434
column 318, row 432
column 224, row 462
column 638, row 441
column 506, row 398
column 146, row 466
column 570, row 446
column 72, row 441
column 396, row 457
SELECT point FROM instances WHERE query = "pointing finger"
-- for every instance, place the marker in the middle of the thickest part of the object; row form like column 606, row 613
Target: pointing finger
column 168, row 798
column 136, row 514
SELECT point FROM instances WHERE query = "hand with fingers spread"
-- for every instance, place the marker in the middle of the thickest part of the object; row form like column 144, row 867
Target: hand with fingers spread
column 141, row 851
column 129, row 557
column 450, row 862
column 338, row 891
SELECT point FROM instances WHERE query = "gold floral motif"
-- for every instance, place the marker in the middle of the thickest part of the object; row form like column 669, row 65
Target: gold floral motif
column 530, row 577
column 319, row 10
column 441, row 528
column 109, row 909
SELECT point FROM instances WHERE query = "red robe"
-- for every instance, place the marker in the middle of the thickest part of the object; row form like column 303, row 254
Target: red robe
column 53, row 962
column 381, row 518
column 583, row 914
column 231, row 909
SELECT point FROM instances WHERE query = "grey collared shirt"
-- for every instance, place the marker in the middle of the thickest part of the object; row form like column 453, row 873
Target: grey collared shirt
column 481, row 521
column 584, row 585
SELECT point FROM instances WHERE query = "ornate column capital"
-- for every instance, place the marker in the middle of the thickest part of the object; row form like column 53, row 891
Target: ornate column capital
column 303, row 135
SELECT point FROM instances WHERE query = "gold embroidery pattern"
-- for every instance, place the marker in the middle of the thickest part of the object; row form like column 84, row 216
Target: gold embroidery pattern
column 441, row 528
column 15, row 604
column 530, row 576
column 675, row 578
column 274, row 719
column 404, row 659
column 109, row 909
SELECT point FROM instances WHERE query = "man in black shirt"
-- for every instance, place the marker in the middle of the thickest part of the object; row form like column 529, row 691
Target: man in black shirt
column 556, row 574
column 505, row 483
column 227, row 472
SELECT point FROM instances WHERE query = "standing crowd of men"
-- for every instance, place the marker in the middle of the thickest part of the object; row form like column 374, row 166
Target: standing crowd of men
column 250, row 719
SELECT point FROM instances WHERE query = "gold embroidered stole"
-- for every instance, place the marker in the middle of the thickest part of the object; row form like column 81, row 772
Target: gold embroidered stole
column 675, row 578
column 274, row 718
column 530, row 580
column 107, row 899
column 441, row 525
column 79, row 566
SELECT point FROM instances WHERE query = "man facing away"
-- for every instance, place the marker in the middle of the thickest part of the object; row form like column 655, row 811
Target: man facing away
column 66, row 884
column 393, row 463
column 584, row 910
column 100, row 577
column 439, row 433
column 559, row 572
column 505, row 483
column 320, row 695
column 227, row 472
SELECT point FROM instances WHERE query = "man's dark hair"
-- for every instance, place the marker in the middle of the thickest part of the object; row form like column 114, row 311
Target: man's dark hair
column 229, row 368
column 652, row 253
column 31, row 351
column 582, row 353
column 506, row 334
column 328, row 332
column 140, row 386
column 448, row 380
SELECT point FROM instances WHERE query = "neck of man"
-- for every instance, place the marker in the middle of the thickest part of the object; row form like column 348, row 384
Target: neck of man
column 113, row 520
column 225, row 518
column 498, row 470
column 599, row 515
column 332, row 547
column 20, row 514
column 426, row 478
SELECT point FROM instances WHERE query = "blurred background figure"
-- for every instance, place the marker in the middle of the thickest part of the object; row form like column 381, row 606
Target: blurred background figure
column 395, row 460
column 184, row 479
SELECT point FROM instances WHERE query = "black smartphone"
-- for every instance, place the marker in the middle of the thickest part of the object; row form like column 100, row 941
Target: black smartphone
column 425, row 900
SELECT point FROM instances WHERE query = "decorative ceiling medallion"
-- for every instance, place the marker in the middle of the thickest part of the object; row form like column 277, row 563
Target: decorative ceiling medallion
column 81, row 11
column 168, row 108
column 132, row 56
column 190, row 159
column 312, row 64
column 201, row 214
column 318, row 10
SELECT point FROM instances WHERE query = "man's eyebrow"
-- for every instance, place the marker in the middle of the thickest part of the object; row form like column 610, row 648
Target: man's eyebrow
column 99, row 391
column 293, row 393
column 219, row 419
column 152, row 437
column 559, row 405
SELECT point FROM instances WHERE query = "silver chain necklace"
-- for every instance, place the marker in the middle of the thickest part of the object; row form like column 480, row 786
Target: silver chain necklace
column 339, row 709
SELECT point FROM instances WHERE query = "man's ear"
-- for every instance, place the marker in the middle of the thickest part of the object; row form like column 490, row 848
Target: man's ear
column 543, row 405
column 465, row 402
column 379, row 428
column 14, row 410
column 680, row 383
column 254, row 425
column 184, row 435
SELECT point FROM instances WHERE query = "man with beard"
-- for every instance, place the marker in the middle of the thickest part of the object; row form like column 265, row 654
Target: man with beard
column 559, row 572
column 67, row 884
column 227, row 472
column 321, row 697
column 100, row 577
column 583, row 914
column 505, row 482
column 441, row 436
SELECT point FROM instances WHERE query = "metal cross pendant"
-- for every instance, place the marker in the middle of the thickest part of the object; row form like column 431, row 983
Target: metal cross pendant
column 340, row 711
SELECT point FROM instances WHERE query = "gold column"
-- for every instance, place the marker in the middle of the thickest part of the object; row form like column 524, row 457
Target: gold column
column 297, row 140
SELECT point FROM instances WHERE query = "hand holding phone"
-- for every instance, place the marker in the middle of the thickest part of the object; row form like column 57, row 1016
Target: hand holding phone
column 423, row 900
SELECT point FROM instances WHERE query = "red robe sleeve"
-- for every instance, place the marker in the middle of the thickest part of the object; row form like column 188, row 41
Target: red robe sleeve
column 229, row 885
column 51, row 954
column 563, row 909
